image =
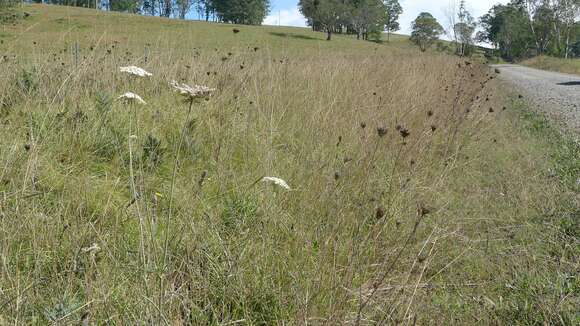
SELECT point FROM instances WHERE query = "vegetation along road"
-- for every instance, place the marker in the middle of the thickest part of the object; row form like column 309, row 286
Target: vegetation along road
column 555, row 93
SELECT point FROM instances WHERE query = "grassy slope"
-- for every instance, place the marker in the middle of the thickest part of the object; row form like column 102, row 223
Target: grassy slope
column 569, row 66
column 203, row 243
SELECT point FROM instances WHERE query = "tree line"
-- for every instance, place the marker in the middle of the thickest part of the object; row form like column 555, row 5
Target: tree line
column 365, row 18
column 526, row 28
column 251, row 12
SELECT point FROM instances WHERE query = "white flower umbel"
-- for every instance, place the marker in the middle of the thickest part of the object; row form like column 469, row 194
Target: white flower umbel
column 191, row 93
column 136, row 71
column 93, row 248
column 277, row 181
column 131, row 98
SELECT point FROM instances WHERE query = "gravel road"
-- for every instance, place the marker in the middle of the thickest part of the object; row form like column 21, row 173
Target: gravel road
column 556, row 94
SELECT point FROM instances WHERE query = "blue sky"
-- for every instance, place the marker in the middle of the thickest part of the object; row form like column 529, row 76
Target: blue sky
column 286, row 13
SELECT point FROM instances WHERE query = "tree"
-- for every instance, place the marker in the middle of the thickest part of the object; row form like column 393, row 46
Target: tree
column 507, row 28
column 131, row 6
column 568, row 12
column 366, row 16
column 309, row 8
column 329, row 14
column 204, row 8
column 73, row 3
column 183, row 7
column 392, row 12
column 425, row 30
column 8, row 3
column 251, row 12
column 463, row 30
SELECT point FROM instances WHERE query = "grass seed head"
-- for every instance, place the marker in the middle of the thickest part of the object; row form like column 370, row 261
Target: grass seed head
column 381, row 131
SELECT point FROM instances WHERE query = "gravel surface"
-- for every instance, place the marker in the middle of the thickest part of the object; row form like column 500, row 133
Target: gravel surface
column 556, row 94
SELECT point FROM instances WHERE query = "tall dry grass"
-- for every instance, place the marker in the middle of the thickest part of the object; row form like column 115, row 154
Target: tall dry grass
column 104, row 220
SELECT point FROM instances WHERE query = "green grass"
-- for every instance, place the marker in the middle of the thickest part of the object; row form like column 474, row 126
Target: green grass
column 415, row 196
column 569, row 66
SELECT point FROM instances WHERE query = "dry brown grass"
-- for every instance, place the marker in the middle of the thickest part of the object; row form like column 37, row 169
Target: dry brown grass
column 393, row 226
column 568, row 66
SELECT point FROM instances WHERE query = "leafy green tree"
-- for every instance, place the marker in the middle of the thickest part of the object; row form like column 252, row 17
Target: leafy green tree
column 464, row 29
column 204, row 8
column 73, row 3
column 543, row 22
column 183, row 7
column 366, row 17
column 251, row 12
column 425, row 30
column 131, row 6
column 392, row 12
column 8, row 3
column 568, row 16
column 309, row 8
column 329, row 14
column 507, row 28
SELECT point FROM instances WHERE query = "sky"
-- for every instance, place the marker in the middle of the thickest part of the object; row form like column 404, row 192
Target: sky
column 286, row 13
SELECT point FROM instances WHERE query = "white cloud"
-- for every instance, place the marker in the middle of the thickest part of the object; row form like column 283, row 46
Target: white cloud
column 286, row 17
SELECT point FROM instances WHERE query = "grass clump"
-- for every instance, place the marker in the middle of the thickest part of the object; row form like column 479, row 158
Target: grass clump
column 569, row 66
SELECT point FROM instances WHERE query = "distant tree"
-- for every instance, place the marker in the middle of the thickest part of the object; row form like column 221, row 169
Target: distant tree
column 329, row 15
column 425, row 30
column 73, row 3
column 366, row 17
column 131, row 6
column 204, row 8
column 251, row 12
column 309, row 8
column 183, row 7
column 507, row 28
column 392, row 12
column 8, row 3
column 543, row 22
column 464, row 29
column 568, row 16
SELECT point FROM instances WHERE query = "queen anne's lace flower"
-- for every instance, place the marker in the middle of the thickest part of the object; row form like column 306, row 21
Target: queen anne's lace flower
column 136, row 71
column 195, row 92
column 276, row 181
column 93, row 248
column 132, row 98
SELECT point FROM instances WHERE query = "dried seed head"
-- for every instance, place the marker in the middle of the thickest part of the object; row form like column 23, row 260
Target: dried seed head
column 380, row 213
column 422, row 210
column 202, row 178
column 381, row 131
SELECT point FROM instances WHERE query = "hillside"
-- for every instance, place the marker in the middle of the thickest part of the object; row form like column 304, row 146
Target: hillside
column 420, row 190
